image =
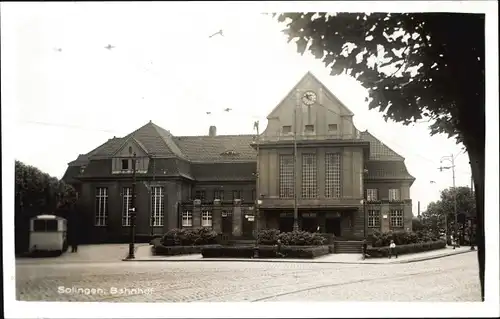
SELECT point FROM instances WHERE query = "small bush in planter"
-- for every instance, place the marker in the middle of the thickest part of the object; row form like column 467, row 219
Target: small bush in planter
column 268, row 237
column 189, row 237
column 301, row 238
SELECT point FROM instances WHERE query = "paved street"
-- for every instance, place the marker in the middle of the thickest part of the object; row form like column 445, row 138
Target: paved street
column 452, row 278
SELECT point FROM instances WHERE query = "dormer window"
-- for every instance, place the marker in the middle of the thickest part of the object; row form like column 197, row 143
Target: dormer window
column 82, row 169
column 287, row 129
column 229, row 153
column 125, row 164
column 309, row 128
column 332, row 127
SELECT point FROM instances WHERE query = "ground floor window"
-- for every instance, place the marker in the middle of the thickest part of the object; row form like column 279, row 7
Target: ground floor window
column 206, row 218
column 187, row 219
column 397, row 218
column 157, row 205
column 374, row 218
column 101, row 206
column 127, row 201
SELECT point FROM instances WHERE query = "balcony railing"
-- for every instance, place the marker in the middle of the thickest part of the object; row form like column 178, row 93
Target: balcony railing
column 305, row 136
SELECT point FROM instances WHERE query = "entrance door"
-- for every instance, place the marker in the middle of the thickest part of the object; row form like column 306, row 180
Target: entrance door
column 227, row 222
column 333, row 226
column 309, row 224
column 248, row 225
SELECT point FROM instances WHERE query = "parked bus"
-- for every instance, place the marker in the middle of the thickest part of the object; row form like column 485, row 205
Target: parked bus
column 48, row 233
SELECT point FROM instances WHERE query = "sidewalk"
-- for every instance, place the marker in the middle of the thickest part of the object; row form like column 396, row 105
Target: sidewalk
column 144, row 254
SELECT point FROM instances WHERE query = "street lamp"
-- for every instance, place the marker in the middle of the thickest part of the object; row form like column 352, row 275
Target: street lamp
column 363, row 202
column 132, row 212
column 451, row 159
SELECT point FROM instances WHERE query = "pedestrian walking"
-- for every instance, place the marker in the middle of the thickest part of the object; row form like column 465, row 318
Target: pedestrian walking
column 365, row 245
column 453, row 241
column 392, row 249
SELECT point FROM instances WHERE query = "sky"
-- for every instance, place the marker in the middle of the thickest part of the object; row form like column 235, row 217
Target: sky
column 70, row 94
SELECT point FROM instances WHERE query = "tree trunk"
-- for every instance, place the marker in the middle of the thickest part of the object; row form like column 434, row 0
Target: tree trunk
column 477, row 160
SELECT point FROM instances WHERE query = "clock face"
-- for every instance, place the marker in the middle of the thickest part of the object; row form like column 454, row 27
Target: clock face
column 309, row 98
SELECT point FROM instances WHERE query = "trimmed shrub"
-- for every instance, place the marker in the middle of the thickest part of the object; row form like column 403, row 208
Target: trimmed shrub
column 268, row 237
column 379, row 239
column 265, row 252
column 301, row 238
column 160, row 250
column 406, row 249
column 189, row 236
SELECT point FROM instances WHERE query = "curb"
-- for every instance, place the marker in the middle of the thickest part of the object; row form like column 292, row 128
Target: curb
column 310, row 261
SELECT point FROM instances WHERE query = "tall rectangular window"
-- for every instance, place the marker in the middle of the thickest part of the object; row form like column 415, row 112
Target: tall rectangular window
column 254, row 195
column 394, row 194
column 236, row 195
column 332, row 178
column 397, row 218
column 157, row 205
column 187, row 219
column 286, row 176
column 127, row 204
column 206, row 218
column 101, row 206
column 309, row 176
column 374, row 218
column 219, row 194
column 371, row 194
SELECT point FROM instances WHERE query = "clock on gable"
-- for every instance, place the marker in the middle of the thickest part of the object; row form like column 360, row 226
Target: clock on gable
column 309, row 98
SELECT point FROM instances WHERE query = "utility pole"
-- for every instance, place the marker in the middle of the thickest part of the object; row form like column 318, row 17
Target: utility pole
column 451, row 159
column 295, row 170
column 257, row 186
column 131, row 248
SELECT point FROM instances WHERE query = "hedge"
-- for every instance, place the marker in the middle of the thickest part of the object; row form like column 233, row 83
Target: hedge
column 294, row 238
column 160, row 250
column 406, row 249
column 300, row 252
column 189, row 237
column 379, row 239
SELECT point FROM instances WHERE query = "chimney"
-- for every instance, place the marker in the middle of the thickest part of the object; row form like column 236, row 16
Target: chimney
column 212, row 131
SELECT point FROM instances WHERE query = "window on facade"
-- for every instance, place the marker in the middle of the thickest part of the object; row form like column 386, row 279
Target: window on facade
column 286, row 176
column 187, row 219
column 394, row 194
column 219, row 194
column 309, row 129
column 373, row 218
column 101, row 206
column 397, row 218
column 206, row 218
column 199, row 195
column 125, row 164
column 332, row 127
column 287, row 129
column 332, row 178
column 157, row 205
column 371, row 194
column 253, row 195
column 309, row 176
column 126, row 205
column 236, row 195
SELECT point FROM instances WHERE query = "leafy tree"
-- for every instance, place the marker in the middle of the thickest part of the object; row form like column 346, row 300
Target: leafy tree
column 38, row 193
column 416, row 224
column 427, row 68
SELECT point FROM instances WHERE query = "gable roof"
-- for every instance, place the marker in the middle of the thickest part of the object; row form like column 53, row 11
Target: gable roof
column 378, row 150
column 325, row 89
column 219, row 148
column 155, row 140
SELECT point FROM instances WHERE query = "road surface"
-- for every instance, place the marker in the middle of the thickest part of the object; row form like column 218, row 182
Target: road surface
column 453, row 278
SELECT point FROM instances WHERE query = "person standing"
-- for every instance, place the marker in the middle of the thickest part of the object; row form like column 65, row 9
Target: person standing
column 392, row 249
column 365, row 245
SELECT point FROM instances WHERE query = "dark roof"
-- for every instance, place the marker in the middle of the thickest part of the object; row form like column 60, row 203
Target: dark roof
column 378, row 150
column 388, row 170
column 222, row 172
column 221, row 148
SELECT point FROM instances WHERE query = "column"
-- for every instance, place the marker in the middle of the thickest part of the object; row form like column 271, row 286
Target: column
column 237, row 216
column 217, row 217
column 197, row 213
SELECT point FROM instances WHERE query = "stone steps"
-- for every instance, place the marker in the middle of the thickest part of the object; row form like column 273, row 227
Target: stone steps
column 348, row 247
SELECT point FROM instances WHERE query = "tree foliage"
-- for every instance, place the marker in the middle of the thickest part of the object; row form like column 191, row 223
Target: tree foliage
column 415, row 66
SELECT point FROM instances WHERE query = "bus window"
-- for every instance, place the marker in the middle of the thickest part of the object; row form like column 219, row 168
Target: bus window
column 39, row 225
column 51, row 225
column 43, row 225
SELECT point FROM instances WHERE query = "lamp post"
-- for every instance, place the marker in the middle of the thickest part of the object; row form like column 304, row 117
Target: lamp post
column 451, row 159
column 132, row 212
column 363, row 201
